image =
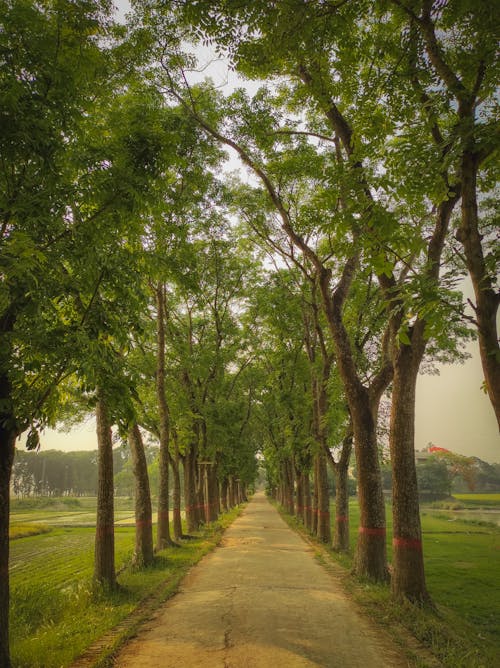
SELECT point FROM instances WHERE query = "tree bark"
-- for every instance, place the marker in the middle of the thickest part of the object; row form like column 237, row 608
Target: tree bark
column 104, row 567
column 323, row 529
column 143, row 513
column 341, row 537
column 176, row 493
column 287, row 475
column 487, row 300
column 213, row 493
column 190, row 497
column 163, row 538
column 223, row 494
column 306, row 485
column 299, row 491
column 408, row 580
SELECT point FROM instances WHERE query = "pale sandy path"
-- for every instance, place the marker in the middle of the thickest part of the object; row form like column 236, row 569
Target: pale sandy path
column 260, row 600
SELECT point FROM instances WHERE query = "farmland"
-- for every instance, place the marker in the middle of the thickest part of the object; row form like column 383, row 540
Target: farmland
column 56, row 613
column 462, row 561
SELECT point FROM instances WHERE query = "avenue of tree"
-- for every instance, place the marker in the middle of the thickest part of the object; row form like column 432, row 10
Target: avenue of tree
column 287, row 313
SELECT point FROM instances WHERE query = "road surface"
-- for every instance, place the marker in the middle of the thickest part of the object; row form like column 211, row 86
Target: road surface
column 260, row 600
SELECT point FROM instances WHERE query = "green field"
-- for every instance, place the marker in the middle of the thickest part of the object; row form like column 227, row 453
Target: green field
column 481, row 500
column 56, row 612
column 462, row 562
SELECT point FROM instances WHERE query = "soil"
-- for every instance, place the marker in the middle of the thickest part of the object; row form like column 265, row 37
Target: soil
column 260, row 600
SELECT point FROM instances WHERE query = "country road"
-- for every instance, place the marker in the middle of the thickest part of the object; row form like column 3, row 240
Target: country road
column 260, row 600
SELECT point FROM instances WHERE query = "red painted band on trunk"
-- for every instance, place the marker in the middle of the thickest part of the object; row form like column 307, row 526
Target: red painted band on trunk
column 410, row 543
column 143, row 523
column 323, row 513
column 342, row 518
column 372, row 531
column 105, row 530
column 163, row 513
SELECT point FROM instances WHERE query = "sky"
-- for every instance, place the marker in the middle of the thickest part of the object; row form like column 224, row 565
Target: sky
column 452, row 410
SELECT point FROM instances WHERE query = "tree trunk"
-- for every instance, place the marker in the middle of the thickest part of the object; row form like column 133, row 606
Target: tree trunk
column 104, row 567
column 306, row 485
column 223, row 494
column 299, row 490
column 314, row 509
column 213, row 492
column 323, row 530
column 176, row 493
column 341, row 538
column 487, row 300
column 200, row 493
column 371, row 555
column 231, row 498
column 7, row 449
column 163, row 538
column 408, row 580
column 190, row 498
column 288, row 486
column 143, row 512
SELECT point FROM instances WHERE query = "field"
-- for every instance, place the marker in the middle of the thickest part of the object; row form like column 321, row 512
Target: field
column 462, row 562
column 56, row 612
column 479, row 500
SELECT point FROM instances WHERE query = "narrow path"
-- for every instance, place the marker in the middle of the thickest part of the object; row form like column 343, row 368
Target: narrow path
column 261, row 600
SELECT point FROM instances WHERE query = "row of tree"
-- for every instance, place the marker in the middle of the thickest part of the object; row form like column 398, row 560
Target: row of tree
column 375, row 120
column 123, row 286
column 56, row 473
column 224, row 317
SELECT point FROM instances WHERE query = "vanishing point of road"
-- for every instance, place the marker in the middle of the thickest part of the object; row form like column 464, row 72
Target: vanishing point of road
column 260, row 600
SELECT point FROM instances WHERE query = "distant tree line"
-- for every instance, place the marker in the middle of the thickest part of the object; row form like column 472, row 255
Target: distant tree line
column 440, row 476
column 56, row 473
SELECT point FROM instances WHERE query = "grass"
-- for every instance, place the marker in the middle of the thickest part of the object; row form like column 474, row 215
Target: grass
column 481, row 500
column 462, row 562
column 56, row 611
column 24, row 530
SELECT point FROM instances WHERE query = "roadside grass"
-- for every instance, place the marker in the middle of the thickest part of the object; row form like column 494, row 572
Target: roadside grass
column 56, row 610
column 462, row 562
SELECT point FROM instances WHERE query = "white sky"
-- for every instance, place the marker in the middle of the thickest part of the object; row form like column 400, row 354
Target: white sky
column 452, row 410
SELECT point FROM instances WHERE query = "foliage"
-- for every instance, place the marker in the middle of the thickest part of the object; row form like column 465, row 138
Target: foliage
column 434, row 478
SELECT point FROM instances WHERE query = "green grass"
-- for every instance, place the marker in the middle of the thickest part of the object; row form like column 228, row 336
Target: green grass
column 24, row 530
column 481, row 500
column 56, row 611
column 462, row 563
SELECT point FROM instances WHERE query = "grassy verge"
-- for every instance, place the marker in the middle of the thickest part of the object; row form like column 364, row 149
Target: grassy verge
column 56, row 613
column 462, row 570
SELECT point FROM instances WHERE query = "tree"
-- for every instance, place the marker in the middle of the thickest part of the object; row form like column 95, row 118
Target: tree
column 104, row 563
column 53, row 61
column 459, row 42
column 143, row 555
column 350, row 105
column 434, row 479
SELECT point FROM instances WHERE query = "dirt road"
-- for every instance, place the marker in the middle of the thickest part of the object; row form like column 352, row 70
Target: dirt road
column 259, row 600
